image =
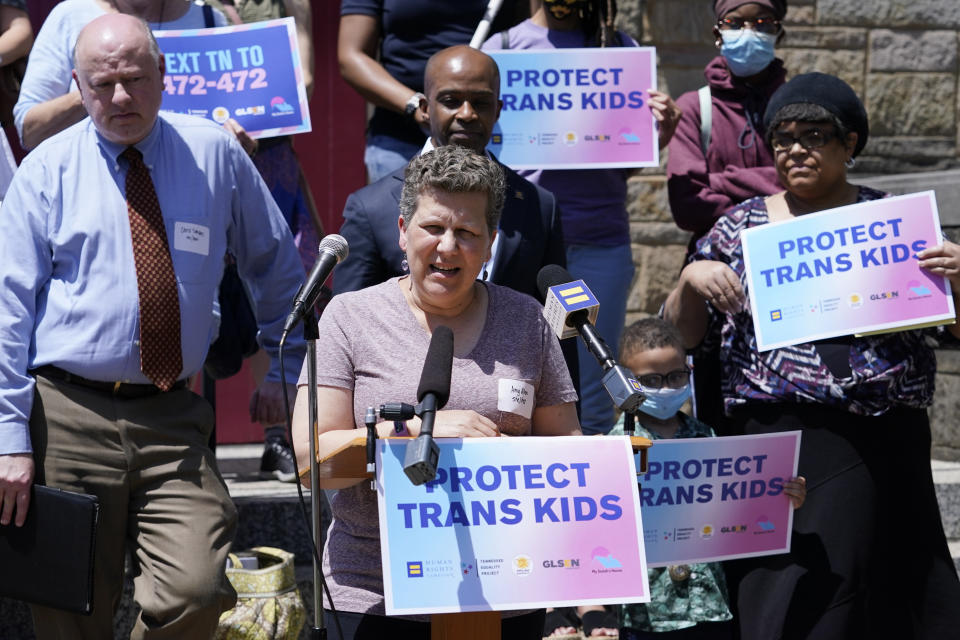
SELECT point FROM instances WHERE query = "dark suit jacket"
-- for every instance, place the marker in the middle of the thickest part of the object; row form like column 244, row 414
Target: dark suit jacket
column 529, row 235
column 530, row 238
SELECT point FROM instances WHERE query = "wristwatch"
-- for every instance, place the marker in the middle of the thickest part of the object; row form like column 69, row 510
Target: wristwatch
column 413, row 104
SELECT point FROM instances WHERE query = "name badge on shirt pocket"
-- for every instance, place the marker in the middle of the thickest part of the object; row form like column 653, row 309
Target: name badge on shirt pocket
column 192, row 237
column 515, row 396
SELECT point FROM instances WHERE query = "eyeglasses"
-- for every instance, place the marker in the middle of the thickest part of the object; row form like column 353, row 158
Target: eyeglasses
column 809, row 139
column 760, row 25
column 673, row 380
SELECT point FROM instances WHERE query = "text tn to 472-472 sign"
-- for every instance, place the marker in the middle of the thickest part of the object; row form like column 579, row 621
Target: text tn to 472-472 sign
column 250, row 73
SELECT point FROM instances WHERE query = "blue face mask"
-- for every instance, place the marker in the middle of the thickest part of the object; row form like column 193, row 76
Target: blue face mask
column 747, row 51
column 664, row 403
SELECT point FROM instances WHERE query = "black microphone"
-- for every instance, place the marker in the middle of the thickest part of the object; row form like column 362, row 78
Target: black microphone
column 423, row 454
column 333, row 249
column 554, row 282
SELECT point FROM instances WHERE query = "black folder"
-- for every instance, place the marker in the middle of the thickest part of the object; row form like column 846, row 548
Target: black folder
column 49, row 560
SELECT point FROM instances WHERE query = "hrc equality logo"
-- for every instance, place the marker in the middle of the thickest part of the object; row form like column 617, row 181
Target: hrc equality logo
column 574, row 296
column 415, row 569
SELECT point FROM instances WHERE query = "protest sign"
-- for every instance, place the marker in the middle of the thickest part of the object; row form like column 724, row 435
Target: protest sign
column 512, row 523
column 576, row 108
column 707, row 499
column 249, row 72
column 850, row 270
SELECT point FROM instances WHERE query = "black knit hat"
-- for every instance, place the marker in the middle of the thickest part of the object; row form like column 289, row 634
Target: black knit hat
column 723, row 7
column 829, row 92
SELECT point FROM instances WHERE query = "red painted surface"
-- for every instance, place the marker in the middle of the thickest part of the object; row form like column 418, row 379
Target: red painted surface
column 332, row 160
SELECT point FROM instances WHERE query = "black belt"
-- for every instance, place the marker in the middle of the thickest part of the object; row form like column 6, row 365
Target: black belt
column 119, row 389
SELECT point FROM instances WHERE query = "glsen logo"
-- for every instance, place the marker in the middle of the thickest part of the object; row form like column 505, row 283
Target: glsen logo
column 257, row 110
column 570, row 138
column 572, row 563
column 885, row 295
column 855, row 300
column 415, row 569
column 220, row 114
column 706, row 531
column 776, row 314
column 601, row 137
column 280, row 107
column 522, row 565
column 737, row 528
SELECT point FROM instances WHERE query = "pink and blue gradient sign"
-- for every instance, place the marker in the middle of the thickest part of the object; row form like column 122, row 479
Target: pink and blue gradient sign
column 850, row 270
column 512, row 523
column 708, row 499
column 251, row 73
column 576, row 108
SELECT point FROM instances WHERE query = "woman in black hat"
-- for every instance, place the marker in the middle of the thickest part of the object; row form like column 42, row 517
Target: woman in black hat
column 868, row 554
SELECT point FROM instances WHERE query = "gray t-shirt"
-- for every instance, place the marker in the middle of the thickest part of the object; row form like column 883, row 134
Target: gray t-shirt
column 370, row 342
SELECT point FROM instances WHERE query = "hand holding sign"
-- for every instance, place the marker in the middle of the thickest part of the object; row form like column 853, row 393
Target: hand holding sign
column 716, row 283
column 943, row 260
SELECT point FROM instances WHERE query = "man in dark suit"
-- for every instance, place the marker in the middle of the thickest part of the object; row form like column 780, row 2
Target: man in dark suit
column 462, row 104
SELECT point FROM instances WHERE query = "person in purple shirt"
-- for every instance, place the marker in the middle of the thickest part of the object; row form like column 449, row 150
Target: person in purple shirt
column 592, row 202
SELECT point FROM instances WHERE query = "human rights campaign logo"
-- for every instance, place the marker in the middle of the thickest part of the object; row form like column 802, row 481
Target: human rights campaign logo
column 574, row 296
column 415, row 569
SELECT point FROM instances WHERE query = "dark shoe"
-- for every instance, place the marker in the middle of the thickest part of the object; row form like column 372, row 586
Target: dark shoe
column 558, row 619
column 277, row 461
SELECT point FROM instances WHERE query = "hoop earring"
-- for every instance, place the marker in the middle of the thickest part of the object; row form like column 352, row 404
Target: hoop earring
column 850, row 163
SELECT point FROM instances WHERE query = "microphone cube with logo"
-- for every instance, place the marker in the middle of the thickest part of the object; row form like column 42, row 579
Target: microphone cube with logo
column 565, row 299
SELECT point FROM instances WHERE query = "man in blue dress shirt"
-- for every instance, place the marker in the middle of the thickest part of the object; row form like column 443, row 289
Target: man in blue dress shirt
column 76, row 411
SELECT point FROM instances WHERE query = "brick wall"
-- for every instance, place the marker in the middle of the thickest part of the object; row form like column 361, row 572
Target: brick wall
column 902, row 59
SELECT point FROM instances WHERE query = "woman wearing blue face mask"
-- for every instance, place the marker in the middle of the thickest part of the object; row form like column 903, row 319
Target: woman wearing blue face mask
column 717, row 156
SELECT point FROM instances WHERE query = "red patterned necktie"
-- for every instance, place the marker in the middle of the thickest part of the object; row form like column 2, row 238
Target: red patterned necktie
column 160, row 355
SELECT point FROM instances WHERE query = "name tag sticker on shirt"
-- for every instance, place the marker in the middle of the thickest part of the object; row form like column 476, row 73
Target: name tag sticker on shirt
column 516, row 396
column 195, row 238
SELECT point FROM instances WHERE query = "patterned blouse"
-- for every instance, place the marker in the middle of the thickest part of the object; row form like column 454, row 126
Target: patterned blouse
column 698, row 592
column 865, row 376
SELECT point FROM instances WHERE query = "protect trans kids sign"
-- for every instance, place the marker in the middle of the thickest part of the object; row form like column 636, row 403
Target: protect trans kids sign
column 707, row 499
column 249, row 72
column 576, row 108
column 512, row 523
column 849, row 270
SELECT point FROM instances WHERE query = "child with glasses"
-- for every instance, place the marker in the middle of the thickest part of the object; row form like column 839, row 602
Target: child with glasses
column 685, row 600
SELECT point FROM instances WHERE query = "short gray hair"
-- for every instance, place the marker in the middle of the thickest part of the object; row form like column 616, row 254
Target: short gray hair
column 455, row 170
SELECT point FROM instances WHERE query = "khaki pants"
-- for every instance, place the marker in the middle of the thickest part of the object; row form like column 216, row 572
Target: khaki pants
column 161, row 496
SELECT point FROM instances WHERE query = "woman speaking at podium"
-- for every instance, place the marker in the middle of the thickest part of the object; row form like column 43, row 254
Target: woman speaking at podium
column 371, row 349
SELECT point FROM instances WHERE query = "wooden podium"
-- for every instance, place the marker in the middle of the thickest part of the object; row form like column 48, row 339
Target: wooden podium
column 350, row 461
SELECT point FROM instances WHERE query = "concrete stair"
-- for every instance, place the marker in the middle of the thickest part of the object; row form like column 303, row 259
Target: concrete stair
column 946, row 476
column 270, row 515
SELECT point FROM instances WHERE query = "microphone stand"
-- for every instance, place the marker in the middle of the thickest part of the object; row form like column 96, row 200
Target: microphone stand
column 311, row 334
